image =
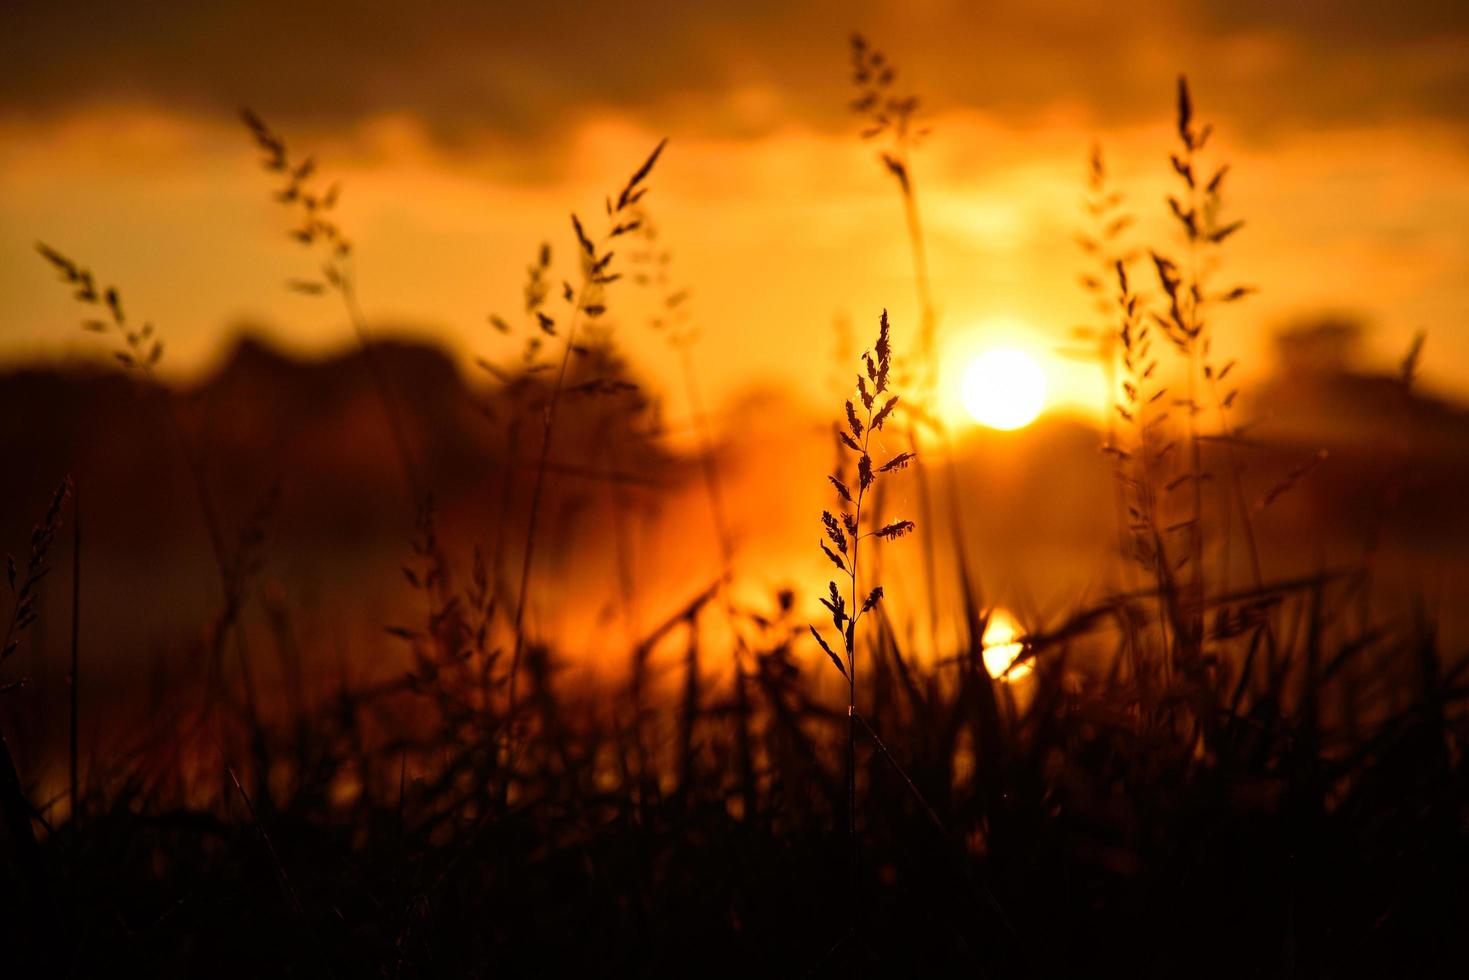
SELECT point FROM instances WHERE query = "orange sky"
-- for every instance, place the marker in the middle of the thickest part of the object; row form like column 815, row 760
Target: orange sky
column 463, row 142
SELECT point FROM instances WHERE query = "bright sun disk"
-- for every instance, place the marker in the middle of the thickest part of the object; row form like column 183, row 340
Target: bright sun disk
column 1004, row 389
column 1002, row 645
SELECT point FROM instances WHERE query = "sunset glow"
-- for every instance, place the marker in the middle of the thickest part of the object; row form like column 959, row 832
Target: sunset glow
column 1004, row 389
column 1002, row 645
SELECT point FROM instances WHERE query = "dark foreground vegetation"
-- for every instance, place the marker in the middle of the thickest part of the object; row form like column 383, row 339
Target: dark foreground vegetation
column 1288, row 803
column 1196, row 777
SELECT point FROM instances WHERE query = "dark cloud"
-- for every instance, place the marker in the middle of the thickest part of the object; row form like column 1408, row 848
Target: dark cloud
column 509, row 67
column 472, row 67
column 1339, row 22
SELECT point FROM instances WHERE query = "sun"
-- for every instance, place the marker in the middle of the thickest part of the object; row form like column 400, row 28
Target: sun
column 1002, row 645
column 1004, row 389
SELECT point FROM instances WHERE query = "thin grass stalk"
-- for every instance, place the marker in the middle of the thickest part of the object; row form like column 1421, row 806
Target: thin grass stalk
column 1392, row 487
column 851, row 644
column 1133, row 405
column 532, row 527
column 708, row 466
column 846, row 535
column 744, row 751
column 627, row 593
column 318, row 228
column 1252, row 545
column 689, row 709
column 621, row 539
column 16, row 812
column 724, row 540
column 1102, row 243
column 1119, row 491
column 594, row 276
column 392, row 411
column 141, row 351
column 894, row 117
column 15, row 808
column 927, row 382
column 1185, row 324
column 672, row 321
column 507, row 485
column 928, row 316
column 1196, row 478
column 1195, row 324
column 76, row 674
column 275, row 857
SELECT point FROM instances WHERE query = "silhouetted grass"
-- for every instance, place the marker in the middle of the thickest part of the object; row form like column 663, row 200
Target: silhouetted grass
column 1190, row 780
column 316, row 230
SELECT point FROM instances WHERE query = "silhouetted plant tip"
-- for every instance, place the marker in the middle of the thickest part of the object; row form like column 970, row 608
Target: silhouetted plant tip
column 1408, row 371
column 140, row 349
column 25, row 579
column 315, row 228
column 846, row 534
column 585, row 301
